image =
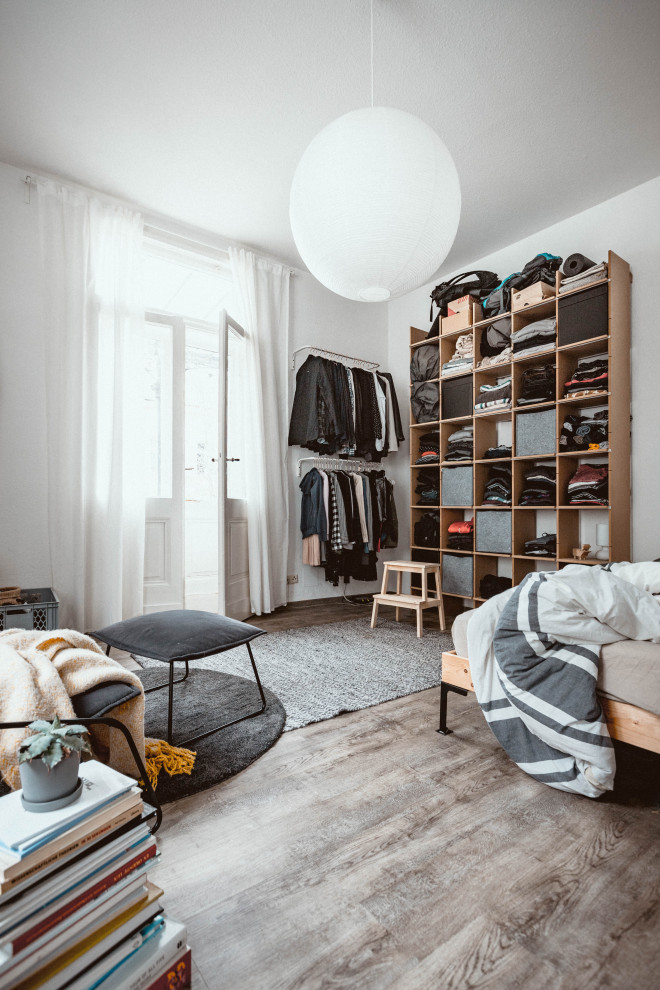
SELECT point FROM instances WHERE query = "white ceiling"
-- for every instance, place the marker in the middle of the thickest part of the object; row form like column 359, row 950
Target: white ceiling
column 200, row 109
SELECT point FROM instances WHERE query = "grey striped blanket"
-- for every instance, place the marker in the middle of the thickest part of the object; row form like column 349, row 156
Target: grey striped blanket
column 534, row 653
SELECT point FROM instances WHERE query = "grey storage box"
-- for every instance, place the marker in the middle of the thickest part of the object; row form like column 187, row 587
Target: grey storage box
column 457, row 486
column 536, row 433
column 492, row 532
column 37, row 610
column 457, row 575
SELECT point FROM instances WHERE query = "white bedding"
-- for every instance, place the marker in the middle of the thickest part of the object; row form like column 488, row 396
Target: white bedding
column 534, row 659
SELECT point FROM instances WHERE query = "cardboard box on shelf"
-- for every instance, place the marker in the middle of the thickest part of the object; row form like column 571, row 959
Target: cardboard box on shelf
column 460, row 305
column 531, row 295
column 462, row 320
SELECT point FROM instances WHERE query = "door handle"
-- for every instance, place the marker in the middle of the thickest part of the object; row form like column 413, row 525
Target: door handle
column 232, row 458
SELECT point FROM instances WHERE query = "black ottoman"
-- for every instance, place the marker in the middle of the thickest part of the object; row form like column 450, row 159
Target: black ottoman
column 180, row 636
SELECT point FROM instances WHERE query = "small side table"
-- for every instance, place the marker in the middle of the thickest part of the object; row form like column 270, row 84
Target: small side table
column 416, row 602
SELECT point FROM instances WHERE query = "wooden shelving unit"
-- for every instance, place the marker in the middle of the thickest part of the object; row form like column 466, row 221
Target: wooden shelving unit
column 573, row 525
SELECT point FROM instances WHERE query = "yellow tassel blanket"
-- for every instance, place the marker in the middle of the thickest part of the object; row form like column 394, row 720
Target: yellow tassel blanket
column 39, row 674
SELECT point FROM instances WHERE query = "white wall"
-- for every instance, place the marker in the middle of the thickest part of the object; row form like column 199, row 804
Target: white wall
column 630, row 226
column 24, row 556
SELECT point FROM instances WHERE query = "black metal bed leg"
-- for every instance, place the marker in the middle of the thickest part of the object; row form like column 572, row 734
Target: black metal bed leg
column 442, row 728
column 444, row 691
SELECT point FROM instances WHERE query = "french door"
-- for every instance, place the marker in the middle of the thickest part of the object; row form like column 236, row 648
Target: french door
column 196, row 514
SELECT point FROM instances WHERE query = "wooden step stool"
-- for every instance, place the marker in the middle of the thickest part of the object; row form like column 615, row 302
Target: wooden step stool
column 418, row 602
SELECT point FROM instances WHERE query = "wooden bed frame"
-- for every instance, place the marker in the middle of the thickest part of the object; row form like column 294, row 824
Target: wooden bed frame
column 627, row 723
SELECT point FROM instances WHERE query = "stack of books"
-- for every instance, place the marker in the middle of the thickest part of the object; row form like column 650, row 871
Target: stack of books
column 77, row 909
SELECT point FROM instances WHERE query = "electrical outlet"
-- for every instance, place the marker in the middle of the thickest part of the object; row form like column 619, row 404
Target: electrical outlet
column 292, row 579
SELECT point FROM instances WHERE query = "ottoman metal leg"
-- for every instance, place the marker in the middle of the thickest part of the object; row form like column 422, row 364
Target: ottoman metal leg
column 216, row 728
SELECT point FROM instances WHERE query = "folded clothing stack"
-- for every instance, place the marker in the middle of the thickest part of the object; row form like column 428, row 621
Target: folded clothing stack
column 502, row 450
column 460, row 445
column 588, row 486
column 492, row 584
column 429, row 448
column 460, row 535
column 494, row 396
column 542, row 546
column 594, row 274
column 589, row 378
column 540, row 485
column 427, row 530
column 584, row 433
column 537, row 384
column 535, row 337
column 501, row 358
column 428, row 486
column 498, row 485
column 463, row 356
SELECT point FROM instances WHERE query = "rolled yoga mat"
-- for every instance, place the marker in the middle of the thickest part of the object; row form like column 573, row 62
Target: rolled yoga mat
column 575, row 264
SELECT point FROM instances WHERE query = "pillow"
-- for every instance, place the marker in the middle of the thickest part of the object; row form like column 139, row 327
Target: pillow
column 645, row 575
column 182, row 634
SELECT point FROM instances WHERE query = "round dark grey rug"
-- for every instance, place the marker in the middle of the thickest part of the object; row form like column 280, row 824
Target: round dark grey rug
column 204, row 699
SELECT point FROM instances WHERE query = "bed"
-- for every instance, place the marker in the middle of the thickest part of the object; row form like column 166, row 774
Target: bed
column 628, row 686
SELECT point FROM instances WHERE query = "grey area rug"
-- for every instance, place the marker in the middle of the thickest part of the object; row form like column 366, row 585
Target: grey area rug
column 318, row 672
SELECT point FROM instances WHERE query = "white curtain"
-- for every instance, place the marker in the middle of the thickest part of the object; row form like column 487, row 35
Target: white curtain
column 262, row 289
column 94, row 320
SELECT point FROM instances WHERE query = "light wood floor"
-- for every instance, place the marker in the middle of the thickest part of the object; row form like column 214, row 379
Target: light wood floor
column 369, row 852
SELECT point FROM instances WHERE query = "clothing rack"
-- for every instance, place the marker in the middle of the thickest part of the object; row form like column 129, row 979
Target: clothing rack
column 342, row 464
column 334, row 356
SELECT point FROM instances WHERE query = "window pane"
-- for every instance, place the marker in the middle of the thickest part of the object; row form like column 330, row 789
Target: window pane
column 235, row 417
column 183, row 285
column 201, row 426
column 158, row 410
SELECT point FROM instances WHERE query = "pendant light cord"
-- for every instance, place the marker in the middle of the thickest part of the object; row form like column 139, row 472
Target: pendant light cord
column 372, row 54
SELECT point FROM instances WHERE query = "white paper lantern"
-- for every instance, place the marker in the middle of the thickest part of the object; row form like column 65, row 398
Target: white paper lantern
column 375, row 204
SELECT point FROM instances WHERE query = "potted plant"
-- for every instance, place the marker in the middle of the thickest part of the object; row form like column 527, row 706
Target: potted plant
column 48, row 764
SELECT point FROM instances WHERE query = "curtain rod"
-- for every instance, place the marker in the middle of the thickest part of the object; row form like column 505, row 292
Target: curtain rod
column 323, row 352
column 156, row 226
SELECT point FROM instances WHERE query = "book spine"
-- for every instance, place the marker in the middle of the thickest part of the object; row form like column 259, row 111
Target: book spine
column 178, row 976
column 84, row 898
column 67, row 850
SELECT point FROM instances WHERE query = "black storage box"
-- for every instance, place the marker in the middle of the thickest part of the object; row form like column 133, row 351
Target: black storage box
column 457, row 398
column 582, row 315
